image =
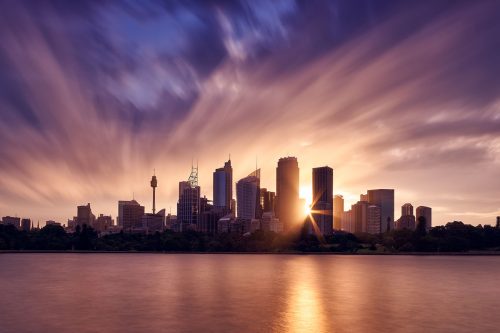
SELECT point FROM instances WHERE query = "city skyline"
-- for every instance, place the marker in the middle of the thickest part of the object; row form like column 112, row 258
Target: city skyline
column 95, row 96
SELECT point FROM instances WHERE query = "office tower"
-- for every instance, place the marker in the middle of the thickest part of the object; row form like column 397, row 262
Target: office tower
column 287, row 192
column 26, row 224
column 373, row 219
column 10, row 220
column 223, row 186
column 84, row 216
column 338, row 211
column 498, row 221
column 322, row 194
column 188, row 206
column 248, row 196
column 130, row 215
column 359, row 217
column 363, row 197
column 267, row 199
column 407, row 219
column 384, row 198
column 154, row 184
column 425, row 212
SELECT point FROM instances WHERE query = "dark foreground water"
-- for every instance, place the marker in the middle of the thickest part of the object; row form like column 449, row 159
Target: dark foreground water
column 248, row 293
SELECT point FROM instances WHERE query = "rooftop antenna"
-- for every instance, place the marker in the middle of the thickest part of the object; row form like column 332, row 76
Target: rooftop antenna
column 193, row 177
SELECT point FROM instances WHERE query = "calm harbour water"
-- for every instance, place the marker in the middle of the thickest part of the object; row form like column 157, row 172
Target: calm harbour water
column 248, row 293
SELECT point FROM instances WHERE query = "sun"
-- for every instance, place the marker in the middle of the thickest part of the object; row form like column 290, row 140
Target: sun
column 307, row 209
column 306, row 195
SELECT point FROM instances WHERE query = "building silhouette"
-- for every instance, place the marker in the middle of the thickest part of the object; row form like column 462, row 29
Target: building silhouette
column 153, row 222
column 103, row 223
column 11, row 220
column 267, row 201
column 188, row 206
column 248, row 196
column 425, row 212
column 373, row 219
column 287, row 192
column 347, row 221
column 85, row 216
column 223, row 187
column 26, row 224
column 322, row 194
column 407, row 219
column 154, row 185
column 338, row 211
column 130, row 215
column 360, row 217
column 384, row 198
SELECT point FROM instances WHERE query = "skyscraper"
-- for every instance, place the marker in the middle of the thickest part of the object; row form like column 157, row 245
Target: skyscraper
column 384, row 198
column 287, row 192
column 223, row 186
column 188, row 206
column 426, row 212
column 322, row 205
column 248, row 196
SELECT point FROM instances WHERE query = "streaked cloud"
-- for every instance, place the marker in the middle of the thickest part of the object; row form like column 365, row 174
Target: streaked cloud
column 390, row 94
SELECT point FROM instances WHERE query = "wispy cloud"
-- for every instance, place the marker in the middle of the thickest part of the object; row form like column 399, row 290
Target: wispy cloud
column 404, row 98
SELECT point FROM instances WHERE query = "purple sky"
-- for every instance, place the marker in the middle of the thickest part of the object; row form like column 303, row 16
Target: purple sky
column 391, row 94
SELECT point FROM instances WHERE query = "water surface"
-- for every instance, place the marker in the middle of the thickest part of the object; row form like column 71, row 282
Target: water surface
column 248, row 293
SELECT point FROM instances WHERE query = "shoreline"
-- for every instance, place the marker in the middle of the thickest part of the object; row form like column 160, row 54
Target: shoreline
column 470, row 253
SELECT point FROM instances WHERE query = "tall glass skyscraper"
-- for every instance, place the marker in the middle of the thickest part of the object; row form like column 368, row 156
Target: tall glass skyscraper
column 223, row 186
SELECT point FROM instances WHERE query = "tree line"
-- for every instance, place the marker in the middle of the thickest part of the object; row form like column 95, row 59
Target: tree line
column 452, row 237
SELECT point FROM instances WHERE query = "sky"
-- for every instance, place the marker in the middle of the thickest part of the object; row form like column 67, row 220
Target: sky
column 95, row 95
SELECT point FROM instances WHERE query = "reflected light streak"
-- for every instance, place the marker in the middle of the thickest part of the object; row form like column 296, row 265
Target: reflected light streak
column 305, row 310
